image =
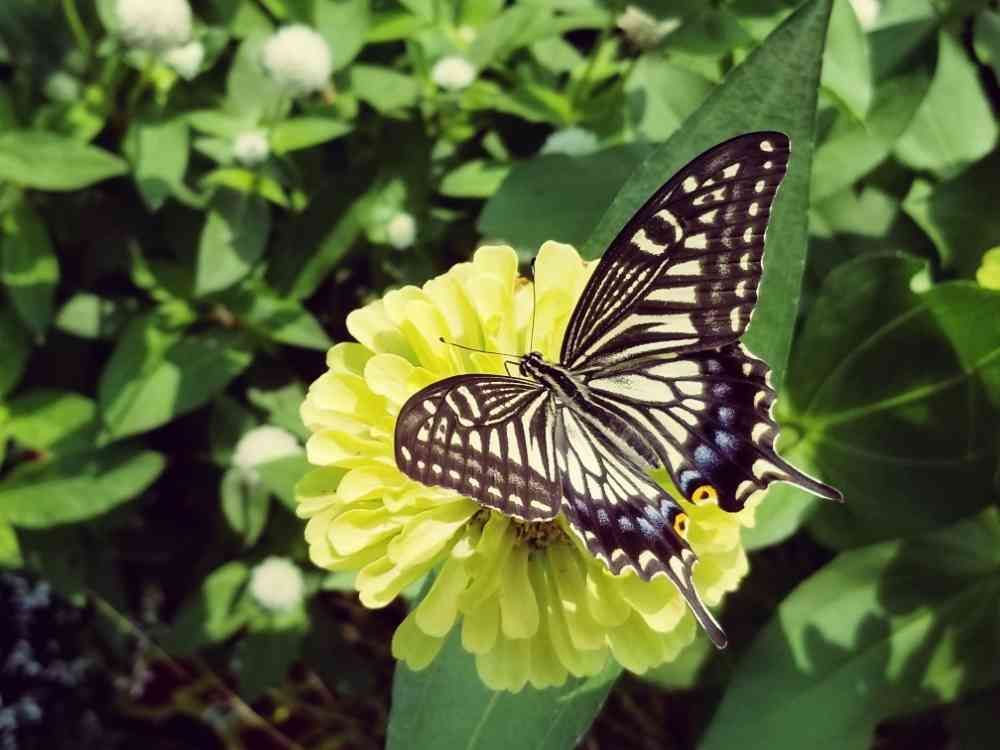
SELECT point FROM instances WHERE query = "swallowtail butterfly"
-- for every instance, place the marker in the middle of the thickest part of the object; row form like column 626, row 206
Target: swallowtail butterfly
column 651, row 374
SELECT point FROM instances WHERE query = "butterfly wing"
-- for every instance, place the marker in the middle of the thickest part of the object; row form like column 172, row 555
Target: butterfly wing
column 489, row 437
column 683, row 273
column 708, row 416
column 624, row 518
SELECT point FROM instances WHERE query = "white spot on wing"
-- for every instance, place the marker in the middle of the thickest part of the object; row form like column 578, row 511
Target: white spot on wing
column 766, row 146
column 731, row 171
column 674, row 295
column 709, row 216
column 646, row 245
column 690, row 184
column 696, row 241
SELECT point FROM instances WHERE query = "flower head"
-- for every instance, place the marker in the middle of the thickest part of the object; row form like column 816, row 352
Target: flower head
column 277, row 584
column 263, row 444
column 642, row 29
column 155, row 26
column 251, row 147
column 298, row 59
column 532, row 604
column 186, row 60
column 571, row 141
column 453, row 73
column 401, row 230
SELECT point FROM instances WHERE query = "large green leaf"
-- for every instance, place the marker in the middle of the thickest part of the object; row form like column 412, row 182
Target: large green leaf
column 447, row 706
column 15, row 348
column 880, row 631
column 155, row 375
column 158, row 151
column 774, row 88
column 76, row 487
column 847, row 70
column 891, row 396
column 47, row 161
column 232, row 241
column 55, row 421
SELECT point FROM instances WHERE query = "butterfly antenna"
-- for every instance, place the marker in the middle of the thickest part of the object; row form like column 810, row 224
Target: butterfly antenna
column 443, row 340
column 534, row 304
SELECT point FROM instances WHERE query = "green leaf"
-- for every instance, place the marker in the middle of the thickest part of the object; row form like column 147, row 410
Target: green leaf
column 266, row 653
column 884, row 630
column 960, row 215
column 15, row 348
column 76, row 487
column 248, row 183
column 232, row 241
column 987, row 37
column 846, row 68
column 954, row 125
column 158, row 151
column 56, row 421
column 889, row 399
column 30, row 270
column 46, row 161
column 774, row 89
column 482, row 719
column 10, row 548
column 305, row 132
column 89, row 316
column 476, row 178
column 384, row 88
column 343, row 23
column 251, row 95
column 784, row 510
column 661, row 95
column 282, row 406
column 229, row 422
column 280, row 476
column 557, row 197
column 156, row 375
column 213, row 613
column 852, row 149
column 276, row 318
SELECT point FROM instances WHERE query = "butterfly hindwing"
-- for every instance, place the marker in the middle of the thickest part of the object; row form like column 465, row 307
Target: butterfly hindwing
column 622, row 516
column 683, row 273
column 708, row 415
column 489, row 437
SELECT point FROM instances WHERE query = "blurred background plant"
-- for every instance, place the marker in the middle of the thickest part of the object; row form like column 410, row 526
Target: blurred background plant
column 193, row 197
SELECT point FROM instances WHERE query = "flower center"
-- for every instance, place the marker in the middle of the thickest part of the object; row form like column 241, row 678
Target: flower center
column 539, row 534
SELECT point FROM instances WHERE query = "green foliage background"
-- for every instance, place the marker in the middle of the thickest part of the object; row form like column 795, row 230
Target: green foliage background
column 160, row 300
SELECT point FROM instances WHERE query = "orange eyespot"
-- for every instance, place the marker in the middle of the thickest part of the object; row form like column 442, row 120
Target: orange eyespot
column 681, row 525
column 704, row 494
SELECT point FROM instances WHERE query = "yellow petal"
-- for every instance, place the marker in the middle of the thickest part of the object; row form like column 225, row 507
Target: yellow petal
column 485, row 566
column 437, row 611
column 317, row 490
column 480, row 626
column 426, row 534
column 635, row 646
column 424, row 327
column 368, row 482
column 412, row 645
column 372, row 327
column 570, row 581
column 347, row 358
column 387, row 376
column 353, row 530
column 507, row 666
column 658, row 601
column 379, row 582
column 604, row 602
column 336, row 448
column 518, row 608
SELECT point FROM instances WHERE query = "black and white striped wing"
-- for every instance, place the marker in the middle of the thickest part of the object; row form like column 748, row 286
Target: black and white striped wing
column 708, row 417
column 683, row 273
column 623, row 517
column 489, row 437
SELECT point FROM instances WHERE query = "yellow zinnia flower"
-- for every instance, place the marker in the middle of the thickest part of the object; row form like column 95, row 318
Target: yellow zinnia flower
column 533, row 605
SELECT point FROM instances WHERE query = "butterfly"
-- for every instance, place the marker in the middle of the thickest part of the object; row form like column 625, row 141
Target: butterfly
column 651, row 374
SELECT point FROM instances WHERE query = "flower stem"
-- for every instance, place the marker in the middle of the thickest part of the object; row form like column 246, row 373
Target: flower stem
column 76, row 26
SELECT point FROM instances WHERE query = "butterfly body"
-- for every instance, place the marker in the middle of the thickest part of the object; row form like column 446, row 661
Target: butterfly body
column 651, row 374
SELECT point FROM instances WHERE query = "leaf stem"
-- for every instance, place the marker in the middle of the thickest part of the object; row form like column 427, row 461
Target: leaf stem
column 76, row 26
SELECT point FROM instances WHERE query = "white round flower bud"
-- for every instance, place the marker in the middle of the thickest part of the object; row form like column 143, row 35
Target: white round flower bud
column 867, row 12
column 251, row 148
column 642, row 29
column 277, row 584
column 453, row 73
column 298, row 59
column 401, row 230
column 263, row 444
column 570, row 141
column 186, row 60
column 155, row 25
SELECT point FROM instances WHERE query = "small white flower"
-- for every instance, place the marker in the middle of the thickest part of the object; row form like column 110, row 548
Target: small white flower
column 867, row 12
column 642, row 29
column 186, row 59
column 277, row 584
column 571, row 141
column 453, row 73
column 155, row 25
column 263, row 444
column 250, row 149
column 298, row 59
column 401, row 230
column 62, row 87
column 466, row 34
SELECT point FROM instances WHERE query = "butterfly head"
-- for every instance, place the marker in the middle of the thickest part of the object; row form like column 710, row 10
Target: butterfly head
column 532, row 365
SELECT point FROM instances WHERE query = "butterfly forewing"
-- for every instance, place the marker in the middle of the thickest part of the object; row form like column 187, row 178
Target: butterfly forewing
column 487, row 436
column 683, row 274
